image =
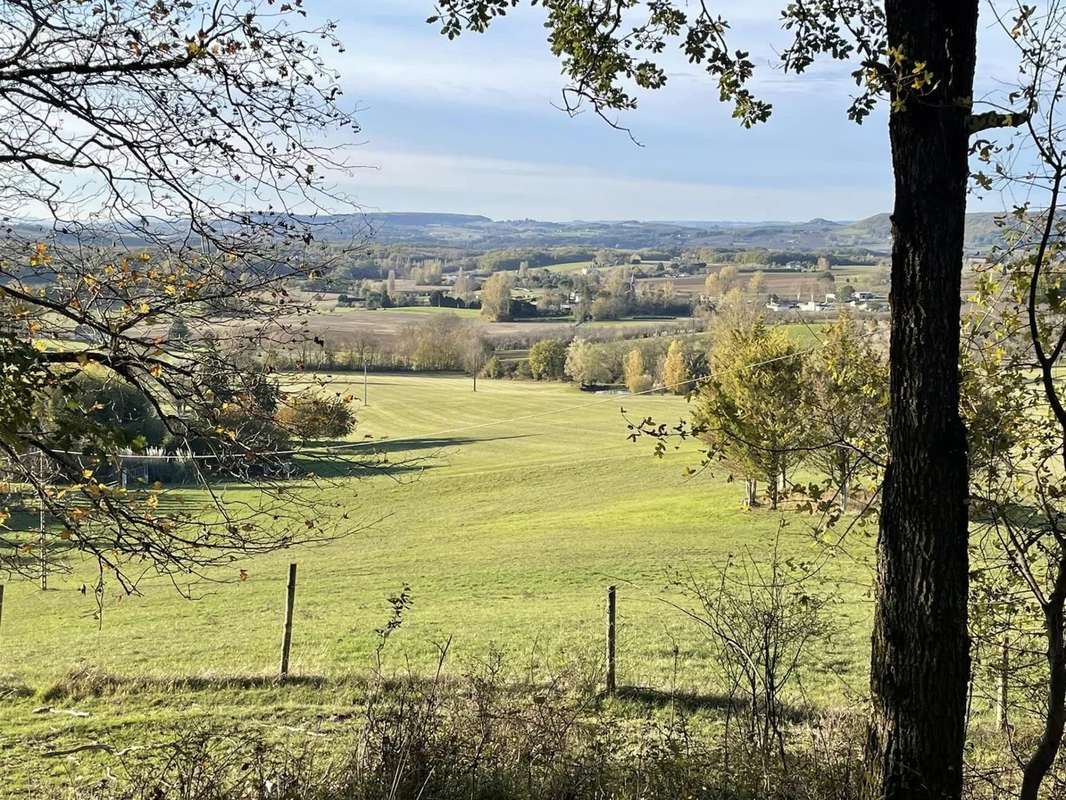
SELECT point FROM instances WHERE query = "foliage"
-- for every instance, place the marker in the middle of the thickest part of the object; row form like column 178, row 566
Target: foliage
column 547, row 359
column 496, row 297
column 154, row 112
column 483, row 731
column 749, row 411
column 586, row 363
column 493, row 368
column 463, row 288
column 311, row 415
column 847, row 408
column 445, row 342
column 757, row 283
column 675, row 369
column 634, row 375
column 768, row 626
column 606, row 307
column 110, row 407
column 512, row 259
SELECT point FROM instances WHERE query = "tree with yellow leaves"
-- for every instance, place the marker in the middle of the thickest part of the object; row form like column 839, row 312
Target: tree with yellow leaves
column 675, row 369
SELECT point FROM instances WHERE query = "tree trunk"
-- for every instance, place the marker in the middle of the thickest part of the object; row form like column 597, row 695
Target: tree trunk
column 1043, row 758
column 920, row 656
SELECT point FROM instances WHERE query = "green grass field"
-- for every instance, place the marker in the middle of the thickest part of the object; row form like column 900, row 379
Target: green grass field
column 569, row 266
column 529, row 503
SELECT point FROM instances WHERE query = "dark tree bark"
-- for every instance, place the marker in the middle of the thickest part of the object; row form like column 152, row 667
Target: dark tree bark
column 920, row 660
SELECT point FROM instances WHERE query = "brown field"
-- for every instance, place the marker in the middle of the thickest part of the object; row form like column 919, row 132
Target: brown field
column 787, row 283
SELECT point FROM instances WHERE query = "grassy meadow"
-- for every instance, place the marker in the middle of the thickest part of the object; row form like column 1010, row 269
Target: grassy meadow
column 525, row 502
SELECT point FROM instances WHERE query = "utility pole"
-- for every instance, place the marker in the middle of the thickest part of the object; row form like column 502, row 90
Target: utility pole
column 365, row 401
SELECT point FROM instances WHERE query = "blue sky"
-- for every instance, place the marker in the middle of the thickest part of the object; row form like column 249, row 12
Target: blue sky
column 471, row 126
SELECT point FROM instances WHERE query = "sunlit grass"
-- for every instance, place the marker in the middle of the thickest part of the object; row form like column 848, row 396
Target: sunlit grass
column 528, row 504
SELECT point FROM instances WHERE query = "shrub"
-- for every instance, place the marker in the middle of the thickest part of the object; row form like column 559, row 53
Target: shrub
column 487, row 735
column 547, row 360
column 493, row 368
column 315, row 416
column 586, row 363
column 604, row 308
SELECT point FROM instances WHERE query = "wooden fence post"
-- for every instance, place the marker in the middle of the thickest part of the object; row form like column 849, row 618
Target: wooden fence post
column 612, row 606
column 286, row 639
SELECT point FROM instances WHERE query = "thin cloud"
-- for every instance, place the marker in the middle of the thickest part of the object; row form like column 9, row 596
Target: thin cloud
column 509, row 189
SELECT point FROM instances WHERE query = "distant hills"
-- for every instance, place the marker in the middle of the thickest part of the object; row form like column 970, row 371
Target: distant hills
column 872, row 234
column 476, row 232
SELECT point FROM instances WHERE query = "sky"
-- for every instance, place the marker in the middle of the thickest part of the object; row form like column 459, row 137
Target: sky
column 473, row 126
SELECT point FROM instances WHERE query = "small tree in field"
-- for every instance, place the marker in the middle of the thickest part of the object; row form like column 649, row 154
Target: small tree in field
column 767, row 625
column 547, row 359
column 586, row 363
column 750, row 409
column 496, row 297
column 636, row 378
column 712, row 286
column 757, row 284
column 727, row 278
column 847, row 407
column 475, row 351
column 675, row 369
column 463, row 290
column 311, row 415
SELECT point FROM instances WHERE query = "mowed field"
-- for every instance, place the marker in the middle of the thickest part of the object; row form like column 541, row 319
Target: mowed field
column 526, row 504
column 340, row 324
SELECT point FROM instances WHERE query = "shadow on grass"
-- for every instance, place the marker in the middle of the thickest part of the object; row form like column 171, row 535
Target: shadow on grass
column 90, row 682
column 375, row 458
column 694, row 702
column 435, row 442
column 690, row 701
